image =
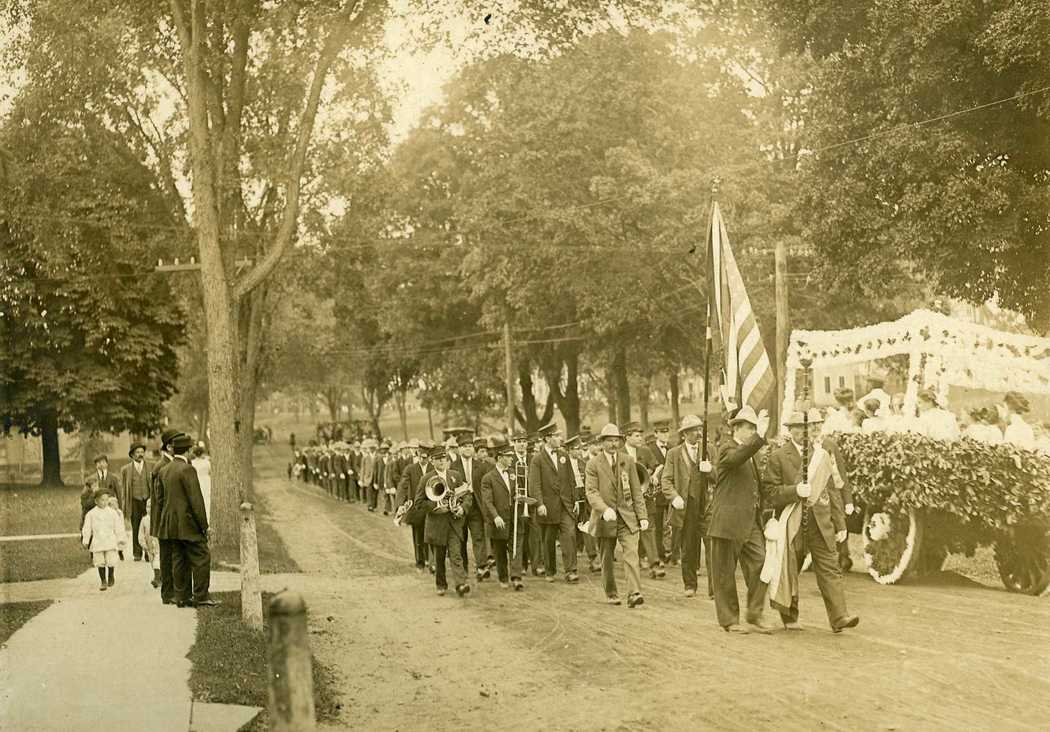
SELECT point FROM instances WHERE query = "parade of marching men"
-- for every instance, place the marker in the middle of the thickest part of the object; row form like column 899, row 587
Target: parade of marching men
column 545, row 364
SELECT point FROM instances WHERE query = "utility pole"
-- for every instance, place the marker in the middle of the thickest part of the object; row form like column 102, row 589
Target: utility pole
column 509, row 369
column 780, row 256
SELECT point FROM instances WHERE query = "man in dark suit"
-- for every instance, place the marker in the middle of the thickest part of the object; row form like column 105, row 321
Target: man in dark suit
column 473, row 470
column 735, row 530
column 578, row 468
column 658, row 447
column 551, row 484
column 497, row 506
column 443, row 528
column 822, row 525
column 156, row 494
column 184, row 523
column 684, row 487
column 645, row 464
column 407, row 488
column 135, row 480
column 107, row 481
column 533, row 554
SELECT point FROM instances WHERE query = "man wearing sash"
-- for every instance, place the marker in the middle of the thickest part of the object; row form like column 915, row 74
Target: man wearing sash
column 551, row 484
column 498, row 507
column 809, row 518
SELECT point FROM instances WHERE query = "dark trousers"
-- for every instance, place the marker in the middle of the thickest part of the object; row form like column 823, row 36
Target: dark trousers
column 830, row 581
column 191, row 565
column 138, row 512
column 419, row 545
column 690, row 546
column 550, row 534
column 167, row 579
column 441, row 553
column 657, row 519
column 475, row 527
column 725, row 555
column 505, row 555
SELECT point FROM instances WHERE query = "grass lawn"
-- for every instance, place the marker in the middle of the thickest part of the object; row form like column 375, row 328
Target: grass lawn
column 26, row 509
column 14, row 615
column 229, row 662
column 273, row 555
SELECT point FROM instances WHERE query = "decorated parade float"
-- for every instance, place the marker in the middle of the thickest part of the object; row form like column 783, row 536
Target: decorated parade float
column 924, row 498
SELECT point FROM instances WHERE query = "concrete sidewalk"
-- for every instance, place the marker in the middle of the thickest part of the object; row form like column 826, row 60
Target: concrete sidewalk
column 106, row 660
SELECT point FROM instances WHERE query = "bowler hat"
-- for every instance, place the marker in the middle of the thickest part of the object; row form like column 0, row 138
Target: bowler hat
column 610, row 430
column 167, row 435
column 181, row 441
column 135, row 446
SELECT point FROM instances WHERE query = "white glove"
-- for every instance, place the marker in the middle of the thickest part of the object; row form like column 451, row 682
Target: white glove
column 609, row 515
column 543, row 510
column 342, row 476
column 499, row 523
column 803, row 490
column 705, row 466
column 850, row 508
column 763, row 423
column 678, row 503
column 840, row 537
column 643, row 524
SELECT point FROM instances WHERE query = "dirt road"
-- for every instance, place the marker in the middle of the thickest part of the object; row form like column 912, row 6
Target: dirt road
column 942, row 655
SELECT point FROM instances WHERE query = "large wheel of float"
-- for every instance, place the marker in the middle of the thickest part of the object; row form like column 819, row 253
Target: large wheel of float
column 892, row 544
column 1023, row 559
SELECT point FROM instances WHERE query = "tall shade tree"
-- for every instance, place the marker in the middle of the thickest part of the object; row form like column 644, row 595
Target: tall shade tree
column 962, row 200
column 87, row 335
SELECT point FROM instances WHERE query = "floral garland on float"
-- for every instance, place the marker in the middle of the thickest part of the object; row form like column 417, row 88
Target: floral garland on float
column 926, row 498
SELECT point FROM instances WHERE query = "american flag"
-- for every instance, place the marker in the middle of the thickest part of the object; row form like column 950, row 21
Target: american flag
column 746, row 371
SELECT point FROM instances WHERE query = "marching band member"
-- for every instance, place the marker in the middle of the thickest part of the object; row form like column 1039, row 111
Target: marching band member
column 410, row 484
column 473, row 471
column 645, row 464
column 735, row 530
column 520, row 441
column 482, row 455
column 682, row 485
column 443, row 527
column 551, row 483
column 820, row 529
column 617, row 513
column 498, row 507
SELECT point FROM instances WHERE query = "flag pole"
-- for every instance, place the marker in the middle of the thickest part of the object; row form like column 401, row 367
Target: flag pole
column 707, row 339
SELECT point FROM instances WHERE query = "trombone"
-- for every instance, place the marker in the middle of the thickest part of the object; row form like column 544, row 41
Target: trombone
column 521, row 496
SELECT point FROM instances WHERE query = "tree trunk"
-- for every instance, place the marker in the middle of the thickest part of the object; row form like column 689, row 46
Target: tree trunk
column 623, row 386
column 610, row 394
column 52, row 455
column 402, row 412
column 643, row 401
column 570, row 406
column 430, row 421
column 672, row 377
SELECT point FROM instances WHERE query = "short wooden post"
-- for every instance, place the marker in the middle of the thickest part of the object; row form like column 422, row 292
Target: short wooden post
column 291, row 669
column 251, row 598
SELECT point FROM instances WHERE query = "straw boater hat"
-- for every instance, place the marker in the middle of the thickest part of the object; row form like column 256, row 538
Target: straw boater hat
column 745, row 414
column 797, row 419
column 690, row 422
column 610, row 430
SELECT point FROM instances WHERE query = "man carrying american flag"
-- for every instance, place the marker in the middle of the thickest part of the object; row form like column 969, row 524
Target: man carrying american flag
column 735, row 527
